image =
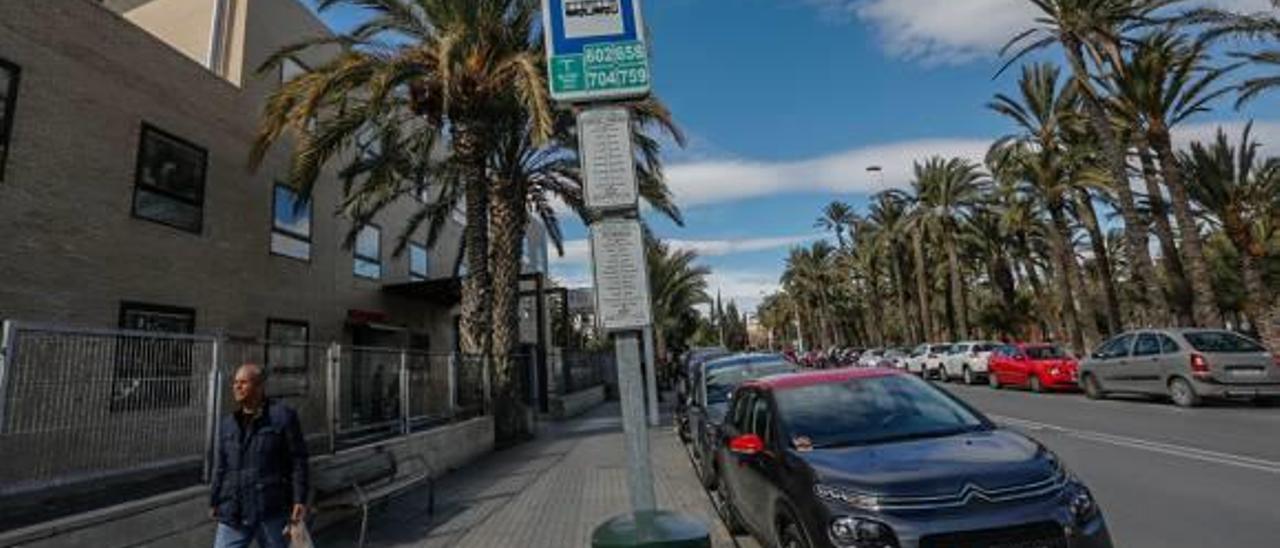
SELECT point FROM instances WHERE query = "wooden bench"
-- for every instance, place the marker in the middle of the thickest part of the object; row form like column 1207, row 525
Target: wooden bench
column 362, row 479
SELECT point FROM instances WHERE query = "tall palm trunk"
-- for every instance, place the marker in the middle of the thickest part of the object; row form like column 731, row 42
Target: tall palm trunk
column 1106, row 277
column 1205, row 309
column 900, row 285
column 957, row 289
column 1059, row 241
column 922, row 288
column 1084, row 297
column 878, row 327
column 1135, row 235
column 477, row 301
column 1252, row 254
column 1164, row 232
column 508, row 218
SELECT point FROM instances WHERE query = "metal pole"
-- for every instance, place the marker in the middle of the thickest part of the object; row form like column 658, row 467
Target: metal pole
column 404, row 392
column 639, row 473
column 452, row 380
column 213, row 408
column 333, row 360
column 651, row 376
column 8, row 360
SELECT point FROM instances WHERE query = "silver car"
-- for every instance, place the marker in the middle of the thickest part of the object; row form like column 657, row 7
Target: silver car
column 1187, row 365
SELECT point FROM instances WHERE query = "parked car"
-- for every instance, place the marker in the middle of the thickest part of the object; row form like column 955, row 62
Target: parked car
column 894, row 358
column 968, row 361
column 878, row 458
column 1187, row 365
column 693, row 360
column 914, row 363
column 1038, row 366
column 714, row 383
column 933, row 360
column 871, row 358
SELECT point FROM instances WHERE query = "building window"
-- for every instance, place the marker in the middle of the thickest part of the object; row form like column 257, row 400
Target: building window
column 155, row 371
column 169, row 186
column 287, row 346
column 9, row 73
column 368, row 252
column 291, row 224
column 417, row 262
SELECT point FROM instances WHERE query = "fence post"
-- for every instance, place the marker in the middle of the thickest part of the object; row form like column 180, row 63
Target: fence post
column 404, row 391
column 453, row 386
column 8, row 351
column 213, row 407
column 333, row 362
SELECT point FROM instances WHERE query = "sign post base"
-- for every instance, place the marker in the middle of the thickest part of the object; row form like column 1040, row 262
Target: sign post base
column 651, row 529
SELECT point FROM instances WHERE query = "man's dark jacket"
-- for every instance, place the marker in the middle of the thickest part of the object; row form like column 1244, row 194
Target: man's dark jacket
column 260, row 473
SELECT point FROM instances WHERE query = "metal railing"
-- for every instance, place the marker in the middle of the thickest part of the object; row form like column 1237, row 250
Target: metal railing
column 79, row 405
column 583, row 369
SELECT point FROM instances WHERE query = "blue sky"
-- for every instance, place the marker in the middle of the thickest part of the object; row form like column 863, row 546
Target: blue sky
column 786, row 102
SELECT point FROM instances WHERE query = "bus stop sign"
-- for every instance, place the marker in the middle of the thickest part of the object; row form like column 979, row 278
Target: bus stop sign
column 596, row 50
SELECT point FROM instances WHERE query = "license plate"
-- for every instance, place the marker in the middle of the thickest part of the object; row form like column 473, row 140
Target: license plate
column 1250, row 373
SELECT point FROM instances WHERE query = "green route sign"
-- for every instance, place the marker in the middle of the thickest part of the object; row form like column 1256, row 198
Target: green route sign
column 596, row 50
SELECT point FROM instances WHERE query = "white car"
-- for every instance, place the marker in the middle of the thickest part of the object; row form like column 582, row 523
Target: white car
column 933, row 360
column 870, row 358
column 968, row 361
column 914, row 362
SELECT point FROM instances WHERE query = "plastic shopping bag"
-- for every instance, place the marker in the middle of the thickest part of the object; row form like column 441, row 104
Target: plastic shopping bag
column 299, row 537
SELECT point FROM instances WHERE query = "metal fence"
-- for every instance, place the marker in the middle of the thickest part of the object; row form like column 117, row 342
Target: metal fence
column 584, row 369
column 78, row 405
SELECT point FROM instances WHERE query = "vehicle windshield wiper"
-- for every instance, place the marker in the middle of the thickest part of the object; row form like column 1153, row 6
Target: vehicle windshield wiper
column 903, row 437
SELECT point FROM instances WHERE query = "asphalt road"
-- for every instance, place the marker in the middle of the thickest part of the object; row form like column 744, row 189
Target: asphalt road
column 1166, row 477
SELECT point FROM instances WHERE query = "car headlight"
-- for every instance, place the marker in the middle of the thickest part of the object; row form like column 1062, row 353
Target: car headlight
column 1083, row 508
column 850, row 532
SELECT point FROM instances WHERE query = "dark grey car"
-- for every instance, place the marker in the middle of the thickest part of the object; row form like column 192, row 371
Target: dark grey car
column 1187, row 365
column 714, row 383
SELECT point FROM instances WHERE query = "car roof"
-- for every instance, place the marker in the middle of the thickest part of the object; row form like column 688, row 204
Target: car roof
column 743, row 359
column 824, row 376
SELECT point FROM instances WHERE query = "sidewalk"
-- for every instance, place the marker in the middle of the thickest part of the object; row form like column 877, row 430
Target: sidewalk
column 551, row 492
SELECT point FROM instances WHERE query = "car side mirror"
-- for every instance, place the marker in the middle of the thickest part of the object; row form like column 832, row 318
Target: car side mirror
column 746, row 445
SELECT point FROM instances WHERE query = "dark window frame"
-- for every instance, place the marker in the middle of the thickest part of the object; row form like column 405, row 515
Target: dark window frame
column 138, row 184
column 127, row 306
column 311, row 224
column 10, row 110
column 425, row 274
column 357, row 257
column 266, row 351
column 126, row 366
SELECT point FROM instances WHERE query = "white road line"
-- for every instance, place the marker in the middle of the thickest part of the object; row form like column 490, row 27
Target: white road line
column 1194, row 453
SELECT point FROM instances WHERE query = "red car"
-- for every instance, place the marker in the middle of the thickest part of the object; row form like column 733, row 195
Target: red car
column 1040, row 367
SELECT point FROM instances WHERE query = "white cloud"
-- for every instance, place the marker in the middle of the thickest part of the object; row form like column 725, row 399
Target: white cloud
column 746, row 288
column 953, row 31
column 578, row 252
column 1265, row 133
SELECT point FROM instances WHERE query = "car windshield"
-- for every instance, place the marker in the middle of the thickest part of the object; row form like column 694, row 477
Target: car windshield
column 1222, row 341
column 872, row 410
column 721, row 382
column 1046, row 352
column 940, row 349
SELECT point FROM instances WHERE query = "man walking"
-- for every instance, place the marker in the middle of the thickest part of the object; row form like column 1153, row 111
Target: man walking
column 260, row 468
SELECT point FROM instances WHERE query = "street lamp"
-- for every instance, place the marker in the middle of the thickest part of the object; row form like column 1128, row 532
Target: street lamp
column 878, row 173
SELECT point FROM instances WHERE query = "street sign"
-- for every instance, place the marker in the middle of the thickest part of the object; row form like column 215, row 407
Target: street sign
column 596, row 50
column 604, row 137
column 621, row 279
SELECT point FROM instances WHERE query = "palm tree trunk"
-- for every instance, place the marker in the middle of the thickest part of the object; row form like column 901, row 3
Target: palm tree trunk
column 1088, row 313
column 1164, row 232
column 476, row 298
column 1059, row 237
column 508, row 218
column 957, row 290
column 900, row 285
column 1106, row 277
column 877, row 318
column 1136, row 238
column 1205, row 309
column 1252, row 254
column 922, row 288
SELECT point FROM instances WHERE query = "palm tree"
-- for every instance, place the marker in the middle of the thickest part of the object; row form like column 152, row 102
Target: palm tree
column 885, row 228
column 949, row 190
column 809, row 277
column 1094, row 29
column 1258, row 26
column 414, row 72
column 1164, row 82
column 677, row 285
column 1241, row 193
column 838, row 217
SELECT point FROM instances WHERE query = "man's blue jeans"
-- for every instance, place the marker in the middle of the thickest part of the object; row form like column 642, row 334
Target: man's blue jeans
column 269, row 533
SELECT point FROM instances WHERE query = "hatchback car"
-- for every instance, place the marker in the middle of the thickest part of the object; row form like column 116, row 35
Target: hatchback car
column 914, row 362
column 968, row 361
column 1038, row 366
column 1187, row 365
column 933, row 359
column 684, row 387
column 714, row 383
column 871, row 358
column 874, row 458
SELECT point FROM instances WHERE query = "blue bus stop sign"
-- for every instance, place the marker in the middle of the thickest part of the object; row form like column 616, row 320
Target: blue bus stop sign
column 596, row 50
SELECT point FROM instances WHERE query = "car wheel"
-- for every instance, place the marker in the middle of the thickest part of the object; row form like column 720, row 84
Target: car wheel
column 1036, row 385
column 1093, row 389
column 967, row 374
column 1183, row 394
column 993, row 380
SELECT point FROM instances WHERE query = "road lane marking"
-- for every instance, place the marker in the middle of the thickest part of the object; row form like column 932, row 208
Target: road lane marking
column 1194, row 453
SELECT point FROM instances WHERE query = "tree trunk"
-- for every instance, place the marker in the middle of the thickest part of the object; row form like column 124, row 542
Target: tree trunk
column 1205, row 310
column 1136, row 238
column 508, row 218
column 922, row 289
column 1088, row 313
column 1106, row 277
column 1177, row 273
column 900, row 285
column 1059, row 238
column 1252, row 254
column 476, row 297
column 877, row 318
column 957, row 290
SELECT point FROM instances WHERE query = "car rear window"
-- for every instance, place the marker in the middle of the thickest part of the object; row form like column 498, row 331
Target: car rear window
column 872, row 410
column 1222, row 341
column 1045, row 352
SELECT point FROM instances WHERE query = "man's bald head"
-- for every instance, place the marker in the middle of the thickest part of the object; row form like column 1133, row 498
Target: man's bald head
column 247, row 385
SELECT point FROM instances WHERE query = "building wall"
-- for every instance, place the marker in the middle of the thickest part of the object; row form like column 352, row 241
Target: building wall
column 70, row 251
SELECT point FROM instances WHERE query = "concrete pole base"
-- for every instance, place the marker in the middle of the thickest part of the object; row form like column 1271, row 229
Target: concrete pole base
column 651, row 529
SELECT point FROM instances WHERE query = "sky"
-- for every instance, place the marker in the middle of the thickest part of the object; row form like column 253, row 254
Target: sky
column 785, row 104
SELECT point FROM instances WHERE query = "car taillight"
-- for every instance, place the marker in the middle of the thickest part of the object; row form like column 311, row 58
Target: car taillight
column 1199, row 366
